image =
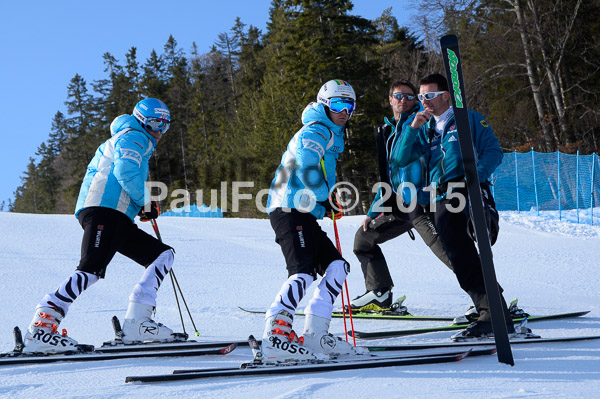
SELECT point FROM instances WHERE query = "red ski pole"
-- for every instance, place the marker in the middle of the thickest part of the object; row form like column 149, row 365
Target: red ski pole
column 339, row 248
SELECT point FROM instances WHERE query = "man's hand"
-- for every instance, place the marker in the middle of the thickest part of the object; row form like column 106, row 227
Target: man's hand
column 381, row 220
column 365, row 223
column 421, row 118
column 151, row 214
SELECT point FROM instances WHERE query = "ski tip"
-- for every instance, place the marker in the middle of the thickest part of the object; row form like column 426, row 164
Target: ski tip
column 463, row 355
column 354, row 334
column 228, row 349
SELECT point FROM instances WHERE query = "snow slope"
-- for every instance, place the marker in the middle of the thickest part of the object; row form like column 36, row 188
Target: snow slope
column 550, row 265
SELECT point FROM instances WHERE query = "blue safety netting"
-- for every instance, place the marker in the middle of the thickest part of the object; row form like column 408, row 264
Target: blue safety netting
column 555, row 181
column 195, row 211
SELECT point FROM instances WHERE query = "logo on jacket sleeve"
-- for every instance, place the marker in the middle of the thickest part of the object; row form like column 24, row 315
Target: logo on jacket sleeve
column 484, row 123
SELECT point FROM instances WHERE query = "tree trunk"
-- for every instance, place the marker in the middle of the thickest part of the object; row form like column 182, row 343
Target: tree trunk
column 552, row 71
column 533, row 81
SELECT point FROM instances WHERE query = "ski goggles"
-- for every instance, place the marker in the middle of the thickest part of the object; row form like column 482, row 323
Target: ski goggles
column 337, row 105
column 400, row 96
column 430, row 96
column 156, row 124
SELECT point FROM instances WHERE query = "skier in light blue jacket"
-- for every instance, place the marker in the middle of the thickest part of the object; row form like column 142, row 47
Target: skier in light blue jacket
column 113, row 192
column 300, row 194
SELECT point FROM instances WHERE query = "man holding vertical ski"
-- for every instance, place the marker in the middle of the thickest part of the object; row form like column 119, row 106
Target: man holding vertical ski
column 432, row 134
column 298, row 197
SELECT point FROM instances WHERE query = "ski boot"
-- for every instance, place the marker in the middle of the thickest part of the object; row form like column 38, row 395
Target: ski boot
column 138, row 327
column 43, row 336
column 481, row 329
column 477, row 330
column 317, row 337
column 471, row 314
column 374, row 301
column 280, row 344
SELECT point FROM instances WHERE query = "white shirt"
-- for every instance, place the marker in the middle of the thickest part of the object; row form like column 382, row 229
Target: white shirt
column 440, row 121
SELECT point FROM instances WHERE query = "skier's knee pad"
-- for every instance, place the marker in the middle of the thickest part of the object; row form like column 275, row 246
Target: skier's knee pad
column 165, row 259
column 338, row 269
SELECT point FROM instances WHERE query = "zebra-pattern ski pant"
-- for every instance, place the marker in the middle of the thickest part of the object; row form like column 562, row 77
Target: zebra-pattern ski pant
column 321, row 304
column 143, row 292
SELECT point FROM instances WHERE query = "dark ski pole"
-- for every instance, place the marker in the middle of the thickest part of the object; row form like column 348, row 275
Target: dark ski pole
column 452, row 63
column 176, row 286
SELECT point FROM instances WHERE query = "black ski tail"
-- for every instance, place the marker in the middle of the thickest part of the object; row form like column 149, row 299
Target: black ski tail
column 19, row 345
column 453, row 65
column 117, row 327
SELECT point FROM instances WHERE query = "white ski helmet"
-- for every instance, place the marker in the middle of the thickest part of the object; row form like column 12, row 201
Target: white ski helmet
column 335, row 89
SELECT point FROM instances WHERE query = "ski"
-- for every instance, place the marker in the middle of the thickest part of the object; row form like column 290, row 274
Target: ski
column 89, row 353
column 169, row 346
column 11, row 358
column 485, row 342
column 384, row 315
column 473, row 352
column 415, row 331
column 453, row 66
column 251, row 369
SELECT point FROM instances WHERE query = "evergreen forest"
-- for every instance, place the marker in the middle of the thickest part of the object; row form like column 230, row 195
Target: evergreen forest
column 532, row 67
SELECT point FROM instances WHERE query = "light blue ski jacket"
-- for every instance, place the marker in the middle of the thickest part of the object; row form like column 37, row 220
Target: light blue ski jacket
column 299, row 182
column 116, row 176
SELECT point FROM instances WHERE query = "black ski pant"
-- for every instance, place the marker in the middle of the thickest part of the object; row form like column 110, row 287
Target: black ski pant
column 305, row 246
column 107, row 231
column 367, row 250
column 452, row 227
column 387, row 227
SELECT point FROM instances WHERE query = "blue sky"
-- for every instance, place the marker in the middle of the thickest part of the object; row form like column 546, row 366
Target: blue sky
column 44, row 44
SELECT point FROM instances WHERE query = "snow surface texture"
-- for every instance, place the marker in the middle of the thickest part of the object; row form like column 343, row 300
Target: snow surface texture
column 550, row 265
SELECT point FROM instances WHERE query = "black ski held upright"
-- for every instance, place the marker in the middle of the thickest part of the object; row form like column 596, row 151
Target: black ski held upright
column 452, row 62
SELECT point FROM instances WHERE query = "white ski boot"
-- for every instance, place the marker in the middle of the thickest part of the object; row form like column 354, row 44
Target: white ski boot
column 138, row 326
column 377, row 301
column 470, row 316
column 42, row 335
column 280, row 344
column 317, row 338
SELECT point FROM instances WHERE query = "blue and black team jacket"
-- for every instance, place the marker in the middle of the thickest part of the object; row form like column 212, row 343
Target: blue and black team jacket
column 442, row 152
column 392, row 173
column 116, row 176
column 299, row 182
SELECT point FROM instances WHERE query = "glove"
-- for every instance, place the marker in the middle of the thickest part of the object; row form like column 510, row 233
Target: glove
column 152, row 214
column 332, row 207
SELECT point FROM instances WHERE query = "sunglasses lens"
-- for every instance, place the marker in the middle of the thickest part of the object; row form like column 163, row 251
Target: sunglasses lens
column 430, row 96
column 400, row 96
column 337, row 105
